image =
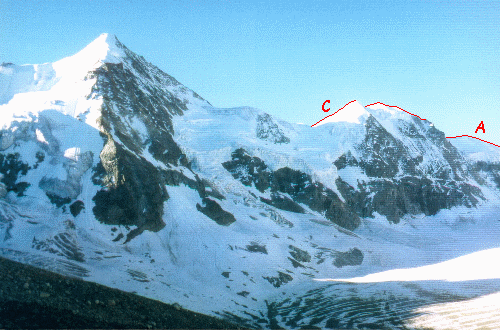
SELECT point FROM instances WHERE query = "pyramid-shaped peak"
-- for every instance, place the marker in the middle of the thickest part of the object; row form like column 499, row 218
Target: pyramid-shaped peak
column 107, row 39
column 107, row 48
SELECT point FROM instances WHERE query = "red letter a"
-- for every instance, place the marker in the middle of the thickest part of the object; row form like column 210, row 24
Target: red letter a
column 481, row 126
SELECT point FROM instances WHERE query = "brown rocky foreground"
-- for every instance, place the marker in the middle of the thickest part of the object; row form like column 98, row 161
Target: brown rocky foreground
column 35, row 298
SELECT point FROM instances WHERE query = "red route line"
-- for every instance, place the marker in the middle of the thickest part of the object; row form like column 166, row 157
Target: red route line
column 390, row 106
column 454, row 137
column 393, row 106
column 334, row 113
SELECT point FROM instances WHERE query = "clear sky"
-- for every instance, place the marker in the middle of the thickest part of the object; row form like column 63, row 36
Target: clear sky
column 437, row 59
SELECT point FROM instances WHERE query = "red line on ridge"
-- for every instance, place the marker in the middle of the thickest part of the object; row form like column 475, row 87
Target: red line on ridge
column 393, row 106
column 390, row 106
column 333, row 113
column 454, row 137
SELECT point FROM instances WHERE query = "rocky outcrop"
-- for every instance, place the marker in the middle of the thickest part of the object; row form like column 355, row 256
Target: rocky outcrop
column 290, row 188
column 249, row 170
column 353, row 257
column 384, row 156
column 487, row 170
column 76, row 208
column 133, row 193
column 215, row 212
column 414, row 193
column 397, row 184
column 131, row 106
column 136, row 119
column 12, row 167
column 269, row 130
column 279, row 280
column 256, row 248
column 298, row 254
column 381, row 152
column 408, row 195
column 283, row 203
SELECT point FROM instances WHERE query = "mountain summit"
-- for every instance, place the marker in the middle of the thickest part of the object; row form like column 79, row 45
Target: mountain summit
column 353, row 112
column 105, row 49
column 108, row 165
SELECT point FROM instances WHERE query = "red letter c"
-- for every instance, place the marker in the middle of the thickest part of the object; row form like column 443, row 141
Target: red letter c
column 323, row 106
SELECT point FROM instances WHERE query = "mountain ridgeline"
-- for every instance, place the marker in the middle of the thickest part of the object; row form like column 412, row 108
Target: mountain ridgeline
column 134, row 189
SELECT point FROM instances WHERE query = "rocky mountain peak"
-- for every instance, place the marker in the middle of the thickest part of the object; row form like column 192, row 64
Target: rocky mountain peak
column 105, row 49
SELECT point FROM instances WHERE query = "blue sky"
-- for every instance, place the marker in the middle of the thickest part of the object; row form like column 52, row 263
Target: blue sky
column 437, row 59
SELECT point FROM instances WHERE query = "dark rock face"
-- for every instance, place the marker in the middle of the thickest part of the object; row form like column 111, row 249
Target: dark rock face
column 456, row 169
column 255, row 247
column 279, row 280
column 248, row 169
column 397, row 186
column 384, row 156
column 134, row 190
column 295, row 263
column 347, row 159
column 269, row 131
column 119, row 237
column 408, row 195
column 484, row 170
column 57, row 200
column 40, row 156
column 215, row 212
column 11, row 167
column 76, row 208
column 353, row 257
column 243, row 293
column 381, row 151
column 282, row 202
column 135, row 118
column 298, row 254
column 125, row 100
column 286, row 182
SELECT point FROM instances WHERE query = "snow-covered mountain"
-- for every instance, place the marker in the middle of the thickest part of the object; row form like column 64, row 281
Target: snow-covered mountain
column 113, row 171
